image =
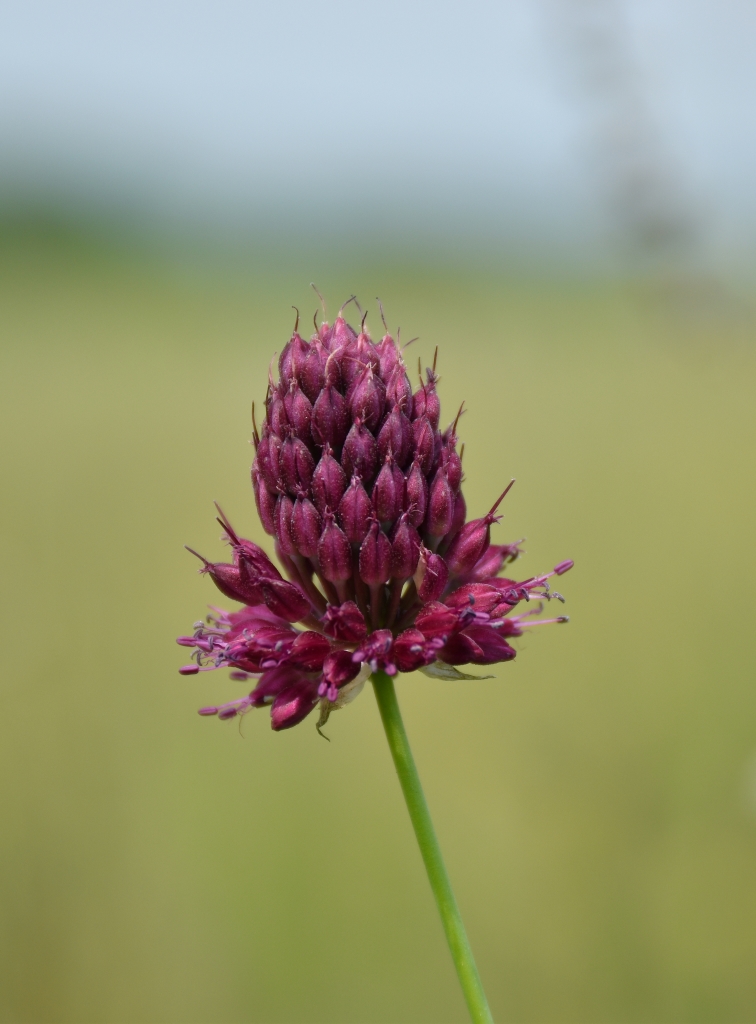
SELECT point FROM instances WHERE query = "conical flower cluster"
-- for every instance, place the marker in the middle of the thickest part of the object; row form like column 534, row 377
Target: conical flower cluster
column 361, row 490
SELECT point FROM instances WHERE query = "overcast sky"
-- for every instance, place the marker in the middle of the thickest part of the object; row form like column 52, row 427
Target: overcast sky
column 487, row 115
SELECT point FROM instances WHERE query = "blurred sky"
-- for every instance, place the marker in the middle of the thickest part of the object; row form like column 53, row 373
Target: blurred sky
column 495, row 118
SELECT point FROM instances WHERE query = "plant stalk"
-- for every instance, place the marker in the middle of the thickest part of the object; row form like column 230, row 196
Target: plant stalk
column 409, row 780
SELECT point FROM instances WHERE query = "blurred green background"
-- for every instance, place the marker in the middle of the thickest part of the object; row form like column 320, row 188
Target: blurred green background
column 596, row 801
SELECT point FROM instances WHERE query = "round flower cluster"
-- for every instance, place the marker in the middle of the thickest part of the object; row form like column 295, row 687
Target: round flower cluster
column 361, row 490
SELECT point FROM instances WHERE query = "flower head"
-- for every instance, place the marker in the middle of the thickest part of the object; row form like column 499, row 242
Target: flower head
column 361, row 491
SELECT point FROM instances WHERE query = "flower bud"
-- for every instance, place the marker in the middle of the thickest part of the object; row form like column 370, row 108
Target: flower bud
column 458, row 518
column 358, row 355
column 297, row 465
column 367, row 397
column 285, row 599
column 405, row 549
column 375, row 556
column 388, row 355
column 328, row 482
column 431, row 576
column 266, row 503
column 292, row 358
column 472, row 541
column 388, row 491
column 305, row 527
column 231, row 582
column 424, row 443
column 399, row 390
column 416, row 495
column 425, row 401
column 345, row 622
column 298, row 411
column 342, row 334
column 312, row 370
column 395, row 436
column 360, row 454
column 355, row 511
column 290, row 707
column 452, row 463
column 268, row 460
column 276, row 415
column 334, row 552
column 283, row 514
column 440, row 513
column 330, row 418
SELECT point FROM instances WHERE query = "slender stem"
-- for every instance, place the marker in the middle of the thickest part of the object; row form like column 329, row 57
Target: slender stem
column 404, row 763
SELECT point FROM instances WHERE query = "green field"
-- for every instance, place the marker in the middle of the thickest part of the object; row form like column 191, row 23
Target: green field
column 596, row 801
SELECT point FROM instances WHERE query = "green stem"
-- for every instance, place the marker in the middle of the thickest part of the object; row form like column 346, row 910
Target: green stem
column 404, row 763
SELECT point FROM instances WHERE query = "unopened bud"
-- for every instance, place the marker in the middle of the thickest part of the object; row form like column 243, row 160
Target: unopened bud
column 472, row 541
column 268, row 460
column 283, row 514
column 431, row 576
column 328, row 482
column 298, row 411
column 358, row 355
column 424, row 443
column 438, row 519
column 388, row 355
column 297, row 465
column 266, row 503
column 312, row 370
column 360, row 454
column 416, row 495
column 305, row 527
column 399, row 390
column 355, row 511
column 452, row 463
column 285, row 599
column 367, row 397
column 291, row 707
column 292, row 358
column 396, row 436
column 375, row 556
column 334, row 552
column 341, row 334
column 330, row 418
column 276, row 415
column 388, row 491
column 405, row 549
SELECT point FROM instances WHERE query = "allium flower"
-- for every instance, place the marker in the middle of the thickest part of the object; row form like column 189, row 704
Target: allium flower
column 362, row 491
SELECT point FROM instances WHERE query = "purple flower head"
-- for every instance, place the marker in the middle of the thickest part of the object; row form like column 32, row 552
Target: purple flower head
column 380, row 569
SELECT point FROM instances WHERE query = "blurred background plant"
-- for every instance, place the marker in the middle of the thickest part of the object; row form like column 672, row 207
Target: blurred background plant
column 558, row 196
